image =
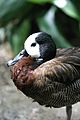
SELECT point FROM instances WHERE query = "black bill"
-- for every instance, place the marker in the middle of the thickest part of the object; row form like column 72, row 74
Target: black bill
column 17, row 58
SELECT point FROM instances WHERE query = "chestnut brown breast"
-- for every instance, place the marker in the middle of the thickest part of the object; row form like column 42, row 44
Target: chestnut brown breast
column 21, row 72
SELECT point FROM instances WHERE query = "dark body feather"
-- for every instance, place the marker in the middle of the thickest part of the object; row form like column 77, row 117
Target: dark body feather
column 55, row 83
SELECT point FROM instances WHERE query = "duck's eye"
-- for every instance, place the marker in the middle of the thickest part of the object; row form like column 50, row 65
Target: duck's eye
column 33, row 44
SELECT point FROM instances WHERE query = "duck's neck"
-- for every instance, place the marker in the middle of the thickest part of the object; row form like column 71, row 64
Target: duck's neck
column 36, row 63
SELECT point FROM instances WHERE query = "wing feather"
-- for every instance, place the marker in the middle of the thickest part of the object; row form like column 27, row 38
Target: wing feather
column 63, row 69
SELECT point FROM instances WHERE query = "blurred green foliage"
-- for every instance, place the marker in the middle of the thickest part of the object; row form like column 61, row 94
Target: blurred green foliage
column 59, row 18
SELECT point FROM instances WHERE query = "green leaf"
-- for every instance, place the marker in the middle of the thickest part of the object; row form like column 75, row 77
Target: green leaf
column 19, row 36
column 68, row 26
column 68, row 7
column 13, row 9
column 47, row 24
column 39, row 1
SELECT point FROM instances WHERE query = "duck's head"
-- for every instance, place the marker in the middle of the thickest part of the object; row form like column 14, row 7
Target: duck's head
column 39, row 46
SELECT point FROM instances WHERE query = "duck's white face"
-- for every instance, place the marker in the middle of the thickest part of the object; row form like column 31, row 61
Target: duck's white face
column 31, row 46
column 38, row 45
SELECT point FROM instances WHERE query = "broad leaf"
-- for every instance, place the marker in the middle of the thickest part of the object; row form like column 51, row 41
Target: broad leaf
column 69, row 7
column 19, row 36
column 39, row 1
column 47, row 24
column 13, row 9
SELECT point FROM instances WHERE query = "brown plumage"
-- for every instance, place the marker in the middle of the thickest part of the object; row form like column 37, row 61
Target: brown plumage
column 55, row 83
column 21, row 72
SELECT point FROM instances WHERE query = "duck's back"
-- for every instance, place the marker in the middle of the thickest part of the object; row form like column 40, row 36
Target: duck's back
column 59, row 79
column 68, row 51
